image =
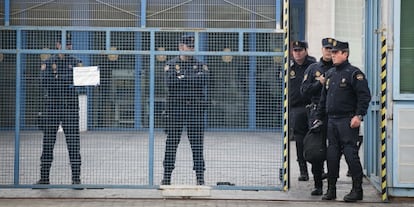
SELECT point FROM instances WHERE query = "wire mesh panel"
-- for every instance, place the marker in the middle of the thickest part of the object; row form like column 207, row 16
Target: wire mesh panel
column 7, row 106
column 173, row 106
column 234, row 97
column 224, row 131
column 160, row 13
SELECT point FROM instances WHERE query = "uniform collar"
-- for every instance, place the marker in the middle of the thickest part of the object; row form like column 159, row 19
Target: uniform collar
column 325, row 62
column 342, row 65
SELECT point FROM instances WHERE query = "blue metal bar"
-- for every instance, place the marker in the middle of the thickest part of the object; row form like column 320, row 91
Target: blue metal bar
column 103, row 186
column 23, row 64
column 6, row 12
column 63, row 40
column 138, row 29
column 143, row 13
column 137, row 92
column 151, row 112
column 252, row 83
column 108, row 40
column 130, row 52
column 241, row 36
column 18, row 104
column 278, row 10
column 83, row 38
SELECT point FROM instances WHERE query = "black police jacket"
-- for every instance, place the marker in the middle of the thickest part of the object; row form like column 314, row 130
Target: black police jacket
column 57, row 84
column 186, row 81
column 296, row 75
column 345, row 93
column 311, row 87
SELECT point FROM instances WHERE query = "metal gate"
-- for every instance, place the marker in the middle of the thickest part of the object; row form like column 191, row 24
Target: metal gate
column 373, row 149
column 122, row 119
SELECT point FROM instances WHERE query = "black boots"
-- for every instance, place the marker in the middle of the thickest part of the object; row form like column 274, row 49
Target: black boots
column 76, row 174
column 44, row 174
column 331, row 192
column 356, row 193
column 317, row 191
column 318, row 186
column 303, row 167
column 200, row 177
column 43, row 181
column 167, row 178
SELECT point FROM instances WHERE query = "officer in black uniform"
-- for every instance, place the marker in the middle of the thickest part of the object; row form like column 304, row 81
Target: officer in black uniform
column 61, row 107
column 298, row 120
column 186, row 79
column 311, row 87
column 344, row 100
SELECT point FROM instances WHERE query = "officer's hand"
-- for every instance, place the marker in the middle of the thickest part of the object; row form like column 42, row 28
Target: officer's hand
column 321, row 79
column 355, row 122
column 316, row 124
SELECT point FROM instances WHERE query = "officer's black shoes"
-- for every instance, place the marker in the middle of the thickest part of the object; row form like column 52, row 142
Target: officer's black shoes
column 200, row 177
column 200, row 181
column 356, row 193
column 43, row 181
column 303, row 177
column 166, row 182
column 317, row 192
column 303, row 168
column 354, row 196
column 76, row 182
column 329, row 195
column 331, row 192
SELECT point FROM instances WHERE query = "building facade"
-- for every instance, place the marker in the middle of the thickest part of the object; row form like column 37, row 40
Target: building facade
column 380, row 34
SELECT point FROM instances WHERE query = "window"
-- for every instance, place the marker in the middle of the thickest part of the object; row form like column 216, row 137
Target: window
column 407, row 48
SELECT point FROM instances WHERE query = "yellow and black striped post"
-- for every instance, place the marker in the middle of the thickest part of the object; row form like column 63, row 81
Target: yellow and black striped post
column 383, row 118
column 285, row 95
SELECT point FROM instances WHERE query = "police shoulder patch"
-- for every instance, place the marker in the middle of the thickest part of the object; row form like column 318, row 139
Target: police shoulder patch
column 359, row 76
column 166, row 68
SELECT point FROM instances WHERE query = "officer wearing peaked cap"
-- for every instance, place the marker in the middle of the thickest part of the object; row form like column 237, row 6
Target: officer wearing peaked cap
column 186, row 80
column 311, row 87
column 344, row 101
column 298, row 120
column 61, row 106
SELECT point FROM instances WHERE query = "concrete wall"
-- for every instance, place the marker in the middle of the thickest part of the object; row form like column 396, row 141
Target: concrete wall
column 343, row 20
column 320, row 23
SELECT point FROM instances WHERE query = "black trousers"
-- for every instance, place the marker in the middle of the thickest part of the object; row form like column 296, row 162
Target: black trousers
column 299, row 126
column 70, row 125
column 317, row 167
column 342, row 139
column 178, row 117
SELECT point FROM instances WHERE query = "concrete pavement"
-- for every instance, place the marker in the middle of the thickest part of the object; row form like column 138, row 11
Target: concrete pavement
column 298, row 195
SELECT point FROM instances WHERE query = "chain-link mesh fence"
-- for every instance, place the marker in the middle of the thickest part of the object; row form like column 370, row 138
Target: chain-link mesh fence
column 115, row 133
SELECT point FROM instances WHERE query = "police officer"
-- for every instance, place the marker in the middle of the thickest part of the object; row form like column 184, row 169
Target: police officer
column 344, row 100
column 186, row 79
column 298, row 119
column 61, row 107
column 311, row 87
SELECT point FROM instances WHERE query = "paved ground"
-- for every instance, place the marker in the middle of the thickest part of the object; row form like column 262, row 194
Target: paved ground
column 298, row 195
